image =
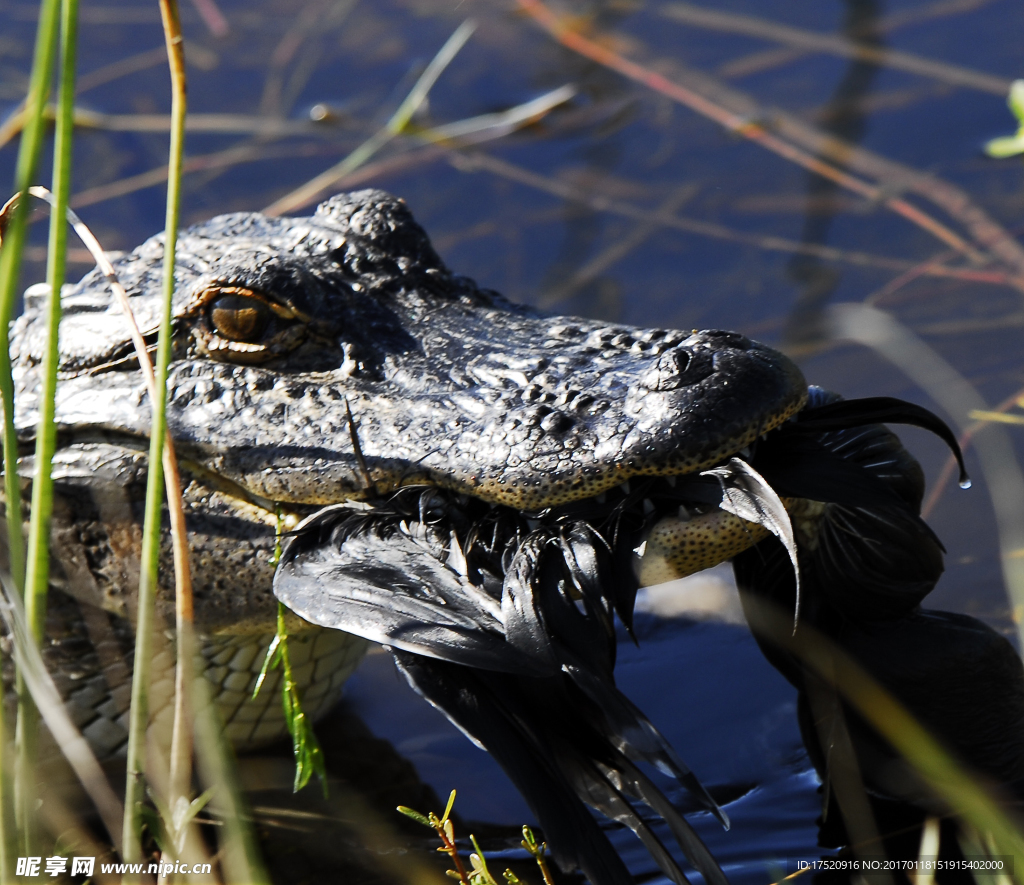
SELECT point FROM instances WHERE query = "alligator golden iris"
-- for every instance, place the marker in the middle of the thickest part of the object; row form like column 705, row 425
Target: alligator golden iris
column 471, row 484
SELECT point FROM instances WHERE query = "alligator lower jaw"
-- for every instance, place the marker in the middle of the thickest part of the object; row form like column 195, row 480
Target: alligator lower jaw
column 659, row 528
column 671, row 523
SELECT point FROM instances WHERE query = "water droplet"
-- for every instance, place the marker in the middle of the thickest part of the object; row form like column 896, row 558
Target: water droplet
column 965, row 483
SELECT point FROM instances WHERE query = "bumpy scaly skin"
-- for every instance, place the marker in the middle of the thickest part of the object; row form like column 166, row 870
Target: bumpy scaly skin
column 371, row 367
column 89, row 654
column 676, row 548
column 96, row 542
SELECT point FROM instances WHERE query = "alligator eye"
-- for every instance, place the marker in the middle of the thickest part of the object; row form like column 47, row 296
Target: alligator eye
column 238, row 318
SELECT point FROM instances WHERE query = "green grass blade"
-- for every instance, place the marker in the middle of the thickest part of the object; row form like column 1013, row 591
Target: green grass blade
column 309, row 758
column 419, row 92
column 148, row 579
column 10, row 267
column 10, row 264
column 240, row 857
column 38, row 560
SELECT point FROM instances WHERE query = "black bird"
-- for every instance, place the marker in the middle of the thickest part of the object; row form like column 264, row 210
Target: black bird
column 505, row 622
column 867, row 560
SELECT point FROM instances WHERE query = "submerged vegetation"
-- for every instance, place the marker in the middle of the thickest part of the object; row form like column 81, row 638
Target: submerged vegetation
column 587, row 79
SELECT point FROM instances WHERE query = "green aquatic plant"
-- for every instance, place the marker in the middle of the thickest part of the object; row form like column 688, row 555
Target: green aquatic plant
column 478, row 873
column 38, row 554
column 309, row 759
column 1010, row 145
column 150, row 556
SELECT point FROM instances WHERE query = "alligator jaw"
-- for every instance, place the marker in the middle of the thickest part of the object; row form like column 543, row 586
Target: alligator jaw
column 578, row 426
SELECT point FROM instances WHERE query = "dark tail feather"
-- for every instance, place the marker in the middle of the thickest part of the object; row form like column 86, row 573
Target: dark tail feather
column 633, row 734
column 635, row 784
column 599, row 787
column 550, row 740
column 575, row 839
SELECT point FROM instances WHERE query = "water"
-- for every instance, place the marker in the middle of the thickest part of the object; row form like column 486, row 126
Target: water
column 728, row 712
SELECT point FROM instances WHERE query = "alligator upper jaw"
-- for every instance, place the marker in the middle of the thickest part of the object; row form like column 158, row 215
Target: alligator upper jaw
column 660, row 527
column 318, row 438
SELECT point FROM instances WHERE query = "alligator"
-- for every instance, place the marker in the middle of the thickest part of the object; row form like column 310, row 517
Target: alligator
column 475, row 486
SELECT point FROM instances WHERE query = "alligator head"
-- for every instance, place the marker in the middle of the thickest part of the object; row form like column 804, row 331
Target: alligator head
column 455, row 440
column 335, row 358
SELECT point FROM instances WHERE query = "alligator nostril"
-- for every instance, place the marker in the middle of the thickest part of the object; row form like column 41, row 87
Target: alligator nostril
column 675, row 368
column 556, row 422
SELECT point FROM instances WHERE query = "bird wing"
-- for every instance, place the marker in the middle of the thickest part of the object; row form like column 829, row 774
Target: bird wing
column 520, row 662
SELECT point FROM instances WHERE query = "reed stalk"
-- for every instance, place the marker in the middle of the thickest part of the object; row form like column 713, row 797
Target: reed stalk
column 14, row 236
column 239, row 853
column 180, row 779
column 148, row 579
column 38, row 558
column 398, row 121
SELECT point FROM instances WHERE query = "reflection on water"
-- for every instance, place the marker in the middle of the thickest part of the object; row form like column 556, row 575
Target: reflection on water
column 621, row 205
column 844, row 116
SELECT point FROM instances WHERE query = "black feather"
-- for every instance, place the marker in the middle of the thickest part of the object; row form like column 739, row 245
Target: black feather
column 392, row 588
column 510, row 633
column 489, row 708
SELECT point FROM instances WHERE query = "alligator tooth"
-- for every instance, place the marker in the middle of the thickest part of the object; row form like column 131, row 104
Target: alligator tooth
column 639, row 551
column 404, row 528
column 671, row 480
column 648, row 507
column 533, row 524
column 601, row 498
column 625, row 487
column 684, row 514
column 456, row 558
column 349, row 366
column 745, row 452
